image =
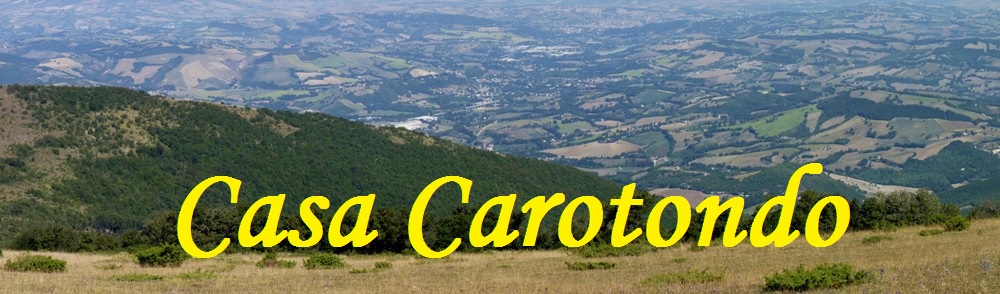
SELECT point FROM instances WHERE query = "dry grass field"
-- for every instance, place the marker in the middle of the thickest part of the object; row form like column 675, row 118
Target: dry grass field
column 953, row 262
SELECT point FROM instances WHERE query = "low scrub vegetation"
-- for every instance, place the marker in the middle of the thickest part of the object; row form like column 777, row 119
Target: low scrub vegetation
column 137, row 277
column 161, row 256
column 686, row 277
column 875, row 239
column 821, row 277
column 383, row 265
column 324, row 261
column 36, row 263
column 586, row 265
column 956, row 223
column 379, row 266
column 271, row 260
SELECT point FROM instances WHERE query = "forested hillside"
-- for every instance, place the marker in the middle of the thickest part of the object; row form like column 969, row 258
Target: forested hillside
column 108, row 158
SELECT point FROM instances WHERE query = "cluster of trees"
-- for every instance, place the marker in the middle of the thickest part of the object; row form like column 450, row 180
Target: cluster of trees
column 899, row 209
column 213, row 224
column 885, row 211
column 748, row 106
column 955, row 163
column 845, row 105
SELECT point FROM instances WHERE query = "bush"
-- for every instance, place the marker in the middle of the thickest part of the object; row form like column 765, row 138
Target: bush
column 136, row 277
column 383, row 265
column 956, row 223
column 582, row 266
column 820, row 277
column 875, row 239
column 161, row 256
column 933, row 232
column 271, row 260
column 691, row 276
column 36, row 263
column 324, row 261
column 48, row 238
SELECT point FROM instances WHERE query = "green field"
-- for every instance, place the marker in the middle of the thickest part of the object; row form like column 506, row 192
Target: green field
column 652, row 96
column 574, row 126
column 499, row 36
column 393, row 63
column 779, row 123
column 331, row 61
column 656, row 144
column 631, row 73
column 293, row 62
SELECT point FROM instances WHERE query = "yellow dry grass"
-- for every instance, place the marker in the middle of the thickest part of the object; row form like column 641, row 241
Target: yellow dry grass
column 954, row 262
column 66, row 65
column 126, row 66
column 708, row 57
column 595, row 149
column 869, row 187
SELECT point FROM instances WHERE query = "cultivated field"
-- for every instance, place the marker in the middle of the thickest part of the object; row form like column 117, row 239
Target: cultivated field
column 954, row 262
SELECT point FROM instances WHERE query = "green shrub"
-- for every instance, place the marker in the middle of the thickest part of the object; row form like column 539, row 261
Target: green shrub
column 36, row 263
column 161, row 256
column 691, row 276
column 931, row 232
column 820, row 277
column 324, row 261
column 136, row 277
column 956, row 223
column 197, row 274
column 607, row 250
column 875, row 239
column 383, row 265
column 271, row 260
column 582, row 266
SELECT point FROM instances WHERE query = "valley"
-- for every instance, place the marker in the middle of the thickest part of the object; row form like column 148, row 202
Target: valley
column 636, row 93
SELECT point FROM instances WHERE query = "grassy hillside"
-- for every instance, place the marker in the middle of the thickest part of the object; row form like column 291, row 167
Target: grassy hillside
column 902, row 261
column 108, row 158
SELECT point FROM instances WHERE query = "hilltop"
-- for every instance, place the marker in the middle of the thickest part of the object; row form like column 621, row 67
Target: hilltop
column 107, row 158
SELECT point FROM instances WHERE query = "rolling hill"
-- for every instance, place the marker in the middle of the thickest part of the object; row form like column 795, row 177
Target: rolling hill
column 107, row 158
